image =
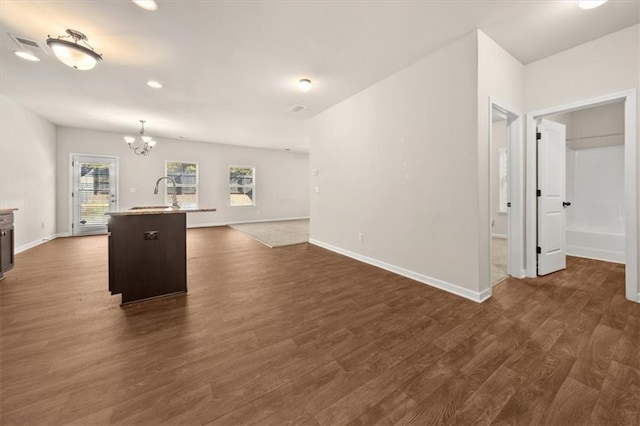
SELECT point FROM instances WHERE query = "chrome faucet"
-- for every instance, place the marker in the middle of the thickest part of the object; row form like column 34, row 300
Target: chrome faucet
column 175, row 199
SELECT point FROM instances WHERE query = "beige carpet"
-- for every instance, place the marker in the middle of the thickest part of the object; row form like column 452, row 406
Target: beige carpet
column 498, row 259
column 277, row 234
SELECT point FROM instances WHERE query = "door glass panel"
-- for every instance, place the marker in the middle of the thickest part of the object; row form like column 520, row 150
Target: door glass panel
column 94, row 193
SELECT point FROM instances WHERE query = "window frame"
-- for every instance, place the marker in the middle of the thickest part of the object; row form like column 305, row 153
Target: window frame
column 182, row 185
column 253, row 185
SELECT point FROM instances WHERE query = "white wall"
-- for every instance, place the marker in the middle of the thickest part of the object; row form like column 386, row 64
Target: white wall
column 282, row 178
column 600, row 67
column 595, row 187
column 398, row 162
column 598, row 189
column 498, row 142
column 595, row 169
column 27, row 172
column 594, row 127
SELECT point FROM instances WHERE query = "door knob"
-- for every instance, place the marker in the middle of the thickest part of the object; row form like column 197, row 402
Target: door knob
column 566, row 204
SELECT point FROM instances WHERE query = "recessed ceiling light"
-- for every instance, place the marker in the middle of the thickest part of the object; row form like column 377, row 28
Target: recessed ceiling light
column 26, row 55
column 304, row 85
column 590, row 4
column 147, row 4
column 154, row 84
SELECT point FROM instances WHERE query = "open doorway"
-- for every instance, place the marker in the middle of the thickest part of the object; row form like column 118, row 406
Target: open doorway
column 582, row 186
column 594, row 182
column 499, row 197
column 506, row 192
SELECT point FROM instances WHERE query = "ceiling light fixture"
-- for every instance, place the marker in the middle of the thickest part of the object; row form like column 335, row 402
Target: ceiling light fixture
column 26, row 55
column 143, row 145
column 72, row 53
column 304, row 85
column 590, row 4
column 147, row 4
column 154, row 84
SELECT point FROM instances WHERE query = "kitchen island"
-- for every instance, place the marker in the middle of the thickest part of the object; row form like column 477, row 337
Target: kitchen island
column 148, row 252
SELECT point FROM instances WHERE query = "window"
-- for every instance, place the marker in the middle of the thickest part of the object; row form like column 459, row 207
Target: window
column 186, row 177
column 504, row 181
column 242, row 185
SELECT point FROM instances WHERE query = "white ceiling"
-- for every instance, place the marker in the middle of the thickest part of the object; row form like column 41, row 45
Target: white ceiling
column 229, row 68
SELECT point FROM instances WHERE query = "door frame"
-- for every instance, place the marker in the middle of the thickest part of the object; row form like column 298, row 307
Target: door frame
column 71, row 184
column 515, row 213
column 630, row 182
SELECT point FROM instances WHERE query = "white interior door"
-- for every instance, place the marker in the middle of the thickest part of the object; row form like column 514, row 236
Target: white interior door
column 551, row 197
column 94, row 193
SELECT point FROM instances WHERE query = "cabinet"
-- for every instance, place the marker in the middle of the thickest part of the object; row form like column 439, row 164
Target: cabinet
column 6, row 243
column 147, row 255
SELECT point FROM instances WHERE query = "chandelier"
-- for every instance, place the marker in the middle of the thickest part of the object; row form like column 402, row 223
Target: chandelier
column 143, row 145
column 72, row 53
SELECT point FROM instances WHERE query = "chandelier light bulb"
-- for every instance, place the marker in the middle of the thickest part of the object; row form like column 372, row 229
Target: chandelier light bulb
column 143, row 145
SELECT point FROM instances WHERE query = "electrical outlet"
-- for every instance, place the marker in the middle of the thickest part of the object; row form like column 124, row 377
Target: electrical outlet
column 316, row 188
column 151, row 235
column 42, row 225
column 360, row 236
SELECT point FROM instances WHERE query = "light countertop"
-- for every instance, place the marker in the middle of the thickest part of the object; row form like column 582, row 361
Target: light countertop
column 160, row 210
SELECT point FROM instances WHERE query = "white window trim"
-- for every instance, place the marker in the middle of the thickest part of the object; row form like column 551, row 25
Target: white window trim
column 253, row 186
column 180, row 185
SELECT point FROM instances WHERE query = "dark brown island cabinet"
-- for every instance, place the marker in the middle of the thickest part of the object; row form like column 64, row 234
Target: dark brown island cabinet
column 7, row 241
column 148, row 252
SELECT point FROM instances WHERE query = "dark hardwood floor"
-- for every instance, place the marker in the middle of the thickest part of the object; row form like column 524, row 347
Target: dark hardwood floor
column 300, row 335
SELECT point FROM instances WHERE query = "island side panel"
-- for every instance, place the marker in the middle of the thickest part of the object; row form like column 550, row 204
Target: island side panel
column 142, row 268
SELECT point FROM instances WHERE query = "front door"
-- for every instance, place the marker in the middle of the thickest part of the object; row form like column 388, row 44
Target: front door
column 552, row 165
column 95, row 190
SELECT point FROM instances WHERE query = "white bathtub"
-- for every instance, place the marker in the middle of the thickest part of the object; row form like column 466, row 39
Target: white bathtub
column 595, row 245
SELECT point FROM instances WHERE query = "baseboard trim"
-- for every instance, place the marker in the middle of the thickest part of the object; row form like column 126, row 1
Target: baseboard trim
column 35, row 243
column 596, row 254
column 521, row 275
column 213, row 224
column 503, row 236
column 474, row 296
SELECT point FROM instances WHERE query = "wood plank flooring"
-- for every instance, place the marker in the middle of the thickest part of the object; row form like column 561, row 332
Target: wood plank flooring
column 300, row 335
